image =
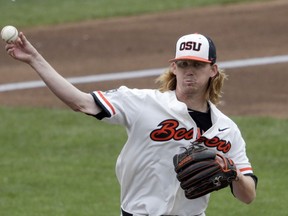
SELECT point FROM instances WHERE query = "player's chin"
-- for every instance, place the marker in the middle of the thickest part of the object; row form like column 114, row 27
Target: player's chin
column 190, row 82
column 190, row 90
column 189, row 85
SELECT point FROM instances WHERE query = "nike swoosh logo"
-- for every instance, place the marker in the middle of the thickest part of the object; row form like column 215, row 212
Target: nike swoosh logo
column 222, row 129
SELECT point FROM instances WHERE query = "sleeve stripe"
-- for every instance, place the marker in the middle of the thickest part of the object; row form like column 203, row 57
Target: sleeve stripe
column 105, row 112
column 106, row 102
column 245, row 169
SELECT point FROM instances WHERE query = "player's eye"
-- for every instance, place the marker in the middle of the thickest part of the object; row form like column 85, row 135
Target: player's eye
column 187, row 64
column 184, row 64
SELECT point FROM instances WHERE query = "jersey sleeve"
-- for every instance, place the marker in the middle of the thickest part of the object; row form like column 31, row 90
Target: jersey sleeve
column 119, row 106
column 108, row 110
column 238, row 153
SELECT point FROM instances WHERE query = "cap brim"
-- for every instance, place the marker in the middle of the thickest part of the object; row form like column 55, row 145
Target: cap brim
column 190, row 58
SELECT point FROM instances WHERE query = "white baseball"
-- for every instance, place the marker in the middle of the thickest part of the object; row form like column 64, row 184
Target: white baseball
column 9, row 33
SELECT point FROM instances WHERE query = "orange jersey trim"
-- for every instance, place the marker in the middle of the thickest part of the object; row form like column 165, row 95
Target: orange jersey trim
column 107, row 102
column 246, row 169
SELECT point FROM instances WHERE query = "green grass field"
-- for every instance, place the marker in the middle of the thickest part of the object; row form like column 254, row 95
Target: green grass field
column 43, row 12
column 56, row 162
column 61, row 163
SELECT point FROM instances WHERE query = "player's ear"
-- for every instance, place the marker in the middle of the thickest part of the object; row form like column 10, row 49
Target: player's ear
column 214, row 70
column 173, row 68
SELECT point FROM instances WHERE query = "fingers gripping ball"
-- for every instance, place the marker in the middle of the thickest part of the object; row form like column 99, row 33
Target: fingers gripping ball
column 9, row 34
column 202, row 171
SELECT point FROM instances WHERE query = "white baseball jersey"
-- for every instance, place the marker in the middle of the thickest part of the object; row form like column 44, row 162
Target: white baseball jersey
column 158, row 125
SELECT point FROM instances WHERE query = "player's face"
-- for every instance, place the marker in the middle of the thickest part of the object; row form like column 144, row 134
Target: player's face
column 193, row 76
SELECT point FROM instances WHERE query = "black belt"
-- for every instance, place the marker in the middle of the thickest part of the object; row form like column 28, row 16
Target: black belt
column 128, row 214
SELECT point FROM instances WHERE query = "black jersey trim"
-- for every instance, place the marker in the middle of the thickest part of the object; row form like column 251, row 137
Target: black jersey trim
column 105, row 112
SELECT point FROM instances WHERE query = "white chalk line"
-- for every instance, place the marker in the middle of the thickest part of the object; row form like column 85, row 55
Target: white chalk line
column 141, row 73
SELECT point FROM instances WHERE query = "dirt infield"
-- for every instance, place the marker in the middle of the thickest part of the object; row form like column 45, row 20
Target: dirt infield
column 144, row 42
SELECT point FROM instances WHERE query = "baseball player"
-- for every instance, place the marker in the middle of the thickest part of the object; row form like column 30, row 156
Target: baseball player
column 159, row 123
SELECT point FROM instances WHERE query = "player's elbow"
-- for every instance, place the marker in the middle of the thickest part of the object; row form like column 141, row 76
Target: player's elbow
column 248, row 198
column 251, row 198
column 78, row 108
column 85, row 104
column 91, row 109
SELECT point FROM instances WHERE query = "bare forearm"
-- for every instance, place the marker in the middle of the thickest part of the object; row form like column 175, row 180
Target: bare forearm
column 65, row 91
column 77, row 100
column 244, row 188
column 55, row 82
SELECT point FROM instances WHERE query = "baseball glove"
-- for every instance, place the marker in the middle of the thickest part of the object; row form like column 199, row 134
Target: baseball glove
column 202, row 171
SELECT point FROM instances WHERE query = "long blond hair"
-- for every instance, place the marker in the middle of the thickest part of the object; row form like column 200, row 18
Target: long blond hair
column 167, row 82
